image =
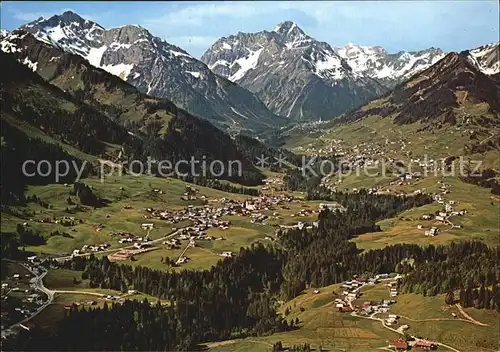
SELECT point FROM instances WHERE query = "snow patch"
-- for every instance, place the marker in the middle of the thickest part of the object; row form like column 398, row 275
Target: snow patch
column 226, row 46
column 246, row 64
column 8, row 47
column 329, row 66
column 236, row 112
column 115, row 46
column 32, row 65
column 178, row 53
column 219, row 62
column 194, row 74
column 120, row 70
column 56, row 33
column 95, row 55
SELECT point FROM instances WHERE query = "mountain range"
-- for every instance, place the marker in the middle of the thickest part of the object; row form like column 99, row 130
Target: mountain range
column 302, row 78
column 295, row 75
column 451, row 109
column 247, row 81
column 91, row 114
column 156, row 68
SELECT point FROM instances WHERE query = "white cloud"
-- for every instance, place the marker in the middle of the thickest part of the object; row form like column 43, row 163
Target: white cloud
column 199, row 13
column 31, row 16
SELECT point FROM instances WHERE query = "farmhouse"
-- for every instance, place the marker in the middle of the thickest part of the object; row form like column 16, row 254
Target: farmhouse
column 425, row 345
column 400, row 345
column 433, row 231
column 147, row 226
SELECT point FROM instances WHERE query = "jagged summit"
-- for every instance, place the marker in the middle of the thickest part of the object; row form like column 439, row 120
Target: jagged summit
column 288, row 28
column 295, row 75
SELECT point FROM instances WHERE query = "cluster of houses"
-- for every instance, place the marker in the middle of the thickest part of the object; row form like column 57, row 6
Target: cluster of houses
column 444, row 214
column 332, row 207
column 87, row 248
column 27, row 301
column 423, row 345
column 64, row 221
column 273, row 183
column 128, row 237
column 206, row 216
column 350, row 293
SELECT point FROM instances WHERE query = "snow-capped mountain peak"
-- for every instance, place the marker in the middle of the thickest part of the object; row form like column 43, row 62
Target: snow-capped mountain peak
column 284, row 67
column 153, row 65
column 288, row 29
column 3, row 33
column 375, row 62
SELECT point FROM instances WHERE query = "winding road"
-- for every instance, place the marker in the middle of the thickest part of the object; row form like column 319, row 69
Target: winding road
column 416, row 339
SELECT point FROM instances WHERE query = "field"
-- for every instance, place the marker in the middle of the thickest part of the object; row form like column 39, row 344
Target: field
column 55, row 311
column 322, row 326
column 481, row 221
column 398, row 140
column 128, row 197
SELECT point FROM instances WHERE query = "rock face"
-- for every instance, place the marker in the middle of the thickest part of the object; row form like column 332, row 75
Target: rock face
column 157, row 68
column 293, row 74
column 486, row 58
column 302, row 78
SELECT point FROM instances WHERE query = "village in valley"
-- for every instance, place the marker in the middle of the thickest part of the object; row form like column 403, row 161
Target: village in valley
column 204, row 227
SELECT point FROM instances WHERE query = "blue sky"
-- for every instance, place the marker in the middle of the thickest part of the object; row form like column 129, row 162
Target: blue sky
column 194, row 26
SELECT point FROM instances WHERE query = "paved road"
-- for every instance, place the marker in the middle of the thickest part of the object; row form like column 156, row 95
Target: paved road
column 37, row 282
column 416, row 339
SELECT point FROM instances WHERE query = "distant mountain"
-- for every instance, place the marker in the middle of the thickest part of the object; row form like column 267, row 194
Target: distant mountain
column 451, row 107
column 98, row 114
column 440, row 94
column 156, row 68
column 389, row 69
column 449, row 110
column 295, row 75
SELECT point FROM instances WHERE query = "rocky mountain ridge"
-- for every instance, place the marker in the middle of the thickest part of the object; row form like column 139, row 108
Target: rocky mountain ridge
column 156, row 68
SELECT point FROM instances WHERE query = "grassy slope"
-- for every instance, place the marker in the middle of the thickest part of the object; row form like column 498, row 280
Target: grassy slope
column 138, row 194
column 481, row 221
column 322, row 325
